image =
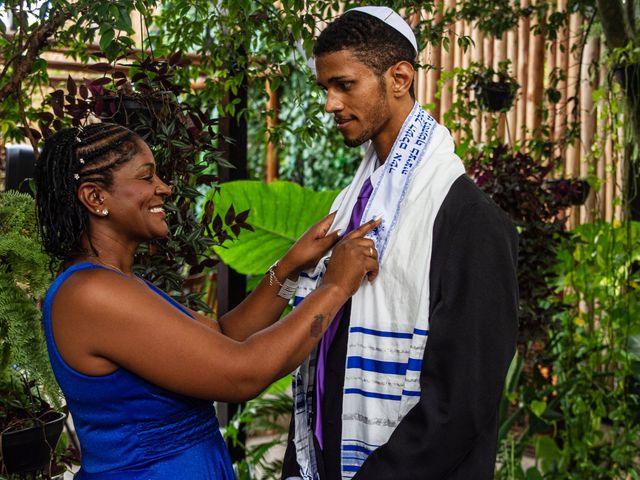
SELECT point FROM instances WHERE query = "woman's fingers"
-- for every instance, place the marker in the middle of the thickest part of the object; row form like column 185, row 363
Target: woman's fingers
column 363, row 229
column 322, row 227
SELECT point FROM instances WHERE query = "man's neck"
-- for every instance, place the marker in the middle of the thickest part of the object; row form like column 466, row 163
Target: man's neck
column 383, row 142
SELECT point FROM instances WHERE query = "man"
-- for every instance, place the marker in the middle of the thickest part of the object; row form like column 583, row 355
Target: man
column 406, row 384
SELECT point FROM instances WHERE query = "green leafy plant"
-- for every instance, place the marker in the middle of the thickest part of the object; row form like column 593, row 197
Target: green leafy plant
column 279, row 214
column 265, row 418
column 24, row 278
column 29, row 393
column 598, row 403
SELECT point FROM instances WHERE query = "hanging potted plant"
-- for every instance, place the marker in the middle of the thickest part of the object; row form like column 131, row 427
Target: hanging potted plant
column 568, row 191
column 495, row 90
column 29, row 425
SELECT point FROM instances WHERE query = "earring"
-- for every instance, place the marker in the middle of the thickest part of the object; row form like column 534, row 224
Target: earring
column 105, row 211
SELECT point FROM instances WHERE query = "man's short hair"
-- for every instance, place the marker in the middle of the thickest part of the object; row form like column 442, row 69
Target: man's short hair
column 373, row 42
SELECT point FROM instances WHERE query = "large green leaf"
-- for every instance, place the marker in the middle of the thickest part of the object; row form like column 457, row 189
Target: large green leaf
column 279, row 212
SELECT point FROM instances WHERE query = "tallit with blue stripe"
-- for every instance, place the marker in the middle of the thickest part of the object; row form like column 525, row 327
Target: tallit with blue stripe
column 389, row 324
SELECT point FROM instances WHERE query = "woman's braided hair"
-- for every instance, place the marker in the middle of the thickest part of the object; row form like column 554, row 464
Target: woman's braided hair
column 70, row 157
column 373, row 42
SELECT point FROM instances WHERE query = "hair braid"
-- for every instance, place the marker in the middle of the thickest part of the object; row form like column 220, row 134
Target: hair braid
column 70, row 157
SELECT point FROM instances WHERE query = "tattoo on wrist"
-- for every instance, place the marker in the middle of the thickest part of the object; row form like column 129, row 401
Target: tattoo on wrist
column 316, row 326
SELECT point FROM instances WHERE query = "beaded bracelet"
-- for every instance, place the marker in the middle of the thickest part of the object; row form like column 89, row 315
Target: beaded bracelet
column 287, row 289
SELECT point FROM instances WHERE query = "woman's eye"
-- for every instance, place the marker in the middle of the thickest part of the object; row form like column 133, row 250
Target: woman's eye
column 148, row 178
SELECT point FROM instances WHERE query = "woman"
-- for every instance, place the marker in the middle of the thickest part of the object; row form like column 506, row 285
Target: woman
column 138, row 370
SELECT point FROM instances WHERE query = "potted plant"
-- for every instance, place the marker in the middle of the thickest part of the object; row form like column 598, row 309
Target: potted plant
column 29, row 425
column 495, row 89
column 569, row 191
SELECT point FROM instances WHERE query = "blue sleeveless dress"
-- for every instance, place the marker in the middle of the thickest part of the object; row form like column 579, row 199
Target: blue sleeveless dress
column 130, row 429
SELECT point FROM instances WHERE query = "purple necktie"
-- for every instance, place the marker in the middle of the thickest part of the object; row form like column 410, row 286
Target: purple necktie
column 327, row 338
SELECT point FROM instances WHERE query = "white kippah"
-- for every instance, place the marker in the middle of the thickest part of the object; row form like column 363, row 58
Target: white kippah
column 391, row 18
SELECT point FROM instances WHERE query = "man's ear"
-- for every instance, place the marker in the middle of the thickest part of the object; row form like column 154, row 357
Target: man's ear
column 402, row 74
column 92, row 196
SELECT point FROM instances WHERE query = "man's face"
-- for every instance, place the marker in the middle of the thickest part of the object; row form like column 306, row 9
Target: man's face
column 356, row 96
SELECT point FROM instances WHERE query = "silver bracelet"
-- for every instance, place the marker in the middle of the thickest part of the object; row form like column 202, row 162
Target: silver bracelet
column 287, row 289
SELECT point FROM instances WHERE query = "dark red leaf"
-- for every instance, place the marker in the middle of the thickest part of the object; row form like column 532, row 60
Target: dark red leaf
column 173, row 59
column 206, row 179
column 84, row 93
column 101, row 81
column 209, row 262
column 246, row 226
column 196, row 269
column 242, row 216
column 208, row 212
column 139, row 76
column 57, row 102
column 236, row 230
column 71, row 86
column 119, row 74
column 230, row 216
column 100, row 67
column 57, row 124
column 46, row 117
column 34, row 133
column 217, row 224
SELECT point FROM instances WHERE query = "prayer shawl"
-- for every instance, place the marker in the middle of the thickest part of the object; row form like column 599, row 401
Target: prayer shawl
column 390, row 318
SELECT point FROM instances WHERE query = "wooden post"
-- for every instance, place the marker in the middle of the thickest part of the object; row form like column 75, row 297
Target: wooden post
column 232, row 285
column 273, row 105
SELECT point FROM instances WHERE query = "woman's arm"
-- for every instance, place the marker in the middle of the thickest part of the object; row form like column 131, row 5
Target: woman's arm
column 102, row 321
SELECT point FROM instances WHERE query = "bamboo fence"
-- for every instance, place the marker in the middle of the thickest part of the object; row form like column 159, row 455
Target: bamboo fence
column 532, row 62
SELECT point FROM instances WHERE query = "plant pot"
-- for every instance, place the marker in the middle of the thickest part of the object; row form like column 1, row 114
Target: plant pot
column 569, row 191
column 495, row 96
column 30, row 449
column 126, row 110
column 628, row 76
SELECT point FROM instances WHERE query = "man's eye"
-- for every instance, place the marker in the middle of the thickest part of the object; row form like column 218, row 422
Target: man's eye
column 345, row 85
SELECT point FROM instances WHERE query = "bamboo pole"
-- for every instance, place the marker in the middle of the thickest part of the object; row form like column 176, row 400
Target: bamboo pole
column 487, row 117
column 621, row 181
column 588, row 123
column 477, row 56
column 448, row 62
column 572, row 164
column 535, row 87
column 562, row 62
column 523, row 74
column 458, row 53
column 512, row 54
column 273, row 104
column 601, row 159
column 500, row 55
column 433, row 76
column 609, row 179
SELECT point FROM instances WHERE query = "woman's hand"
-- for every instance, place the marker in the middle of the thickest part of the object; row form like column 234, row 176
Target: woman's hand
column 353, row 258
column 310, row 247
